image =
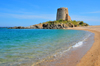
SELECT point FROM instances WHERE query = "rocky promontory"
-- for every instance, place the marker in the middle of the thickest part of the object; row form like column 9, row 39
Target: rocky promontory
column 60, row 24
column 63, row 21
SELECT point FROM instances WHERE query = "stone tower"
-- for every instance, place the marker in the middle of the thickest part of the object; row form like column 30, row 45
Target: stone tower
column 62, row 13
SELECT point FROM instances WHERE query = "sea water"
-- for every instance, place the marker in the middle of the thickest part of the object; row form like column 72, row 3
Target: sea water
column 19, row 46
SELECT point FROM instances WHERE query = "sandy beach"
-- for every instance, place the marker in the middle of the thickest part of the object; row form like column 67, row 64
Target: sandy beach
column 92, row 57
column 83, row 56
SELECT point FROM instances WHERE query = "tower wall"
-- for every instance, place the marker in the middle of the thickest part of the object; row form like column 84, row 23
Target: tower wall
column 62, row 13
column 69, row 18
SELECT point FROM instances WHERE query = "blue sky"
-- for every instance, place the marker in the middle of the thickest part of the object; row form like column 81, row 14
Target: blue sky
column 29, row 12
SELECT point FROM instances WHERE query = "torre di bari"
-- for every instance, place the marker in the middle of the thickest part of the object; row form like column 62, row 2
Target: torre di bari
column 62, row 13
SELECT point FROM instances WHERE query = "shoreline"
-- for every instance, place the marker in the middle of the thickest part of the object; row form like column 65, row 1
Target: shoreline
column 89, row 57
column 76, row 41
column 73, row 56
column 92, row 57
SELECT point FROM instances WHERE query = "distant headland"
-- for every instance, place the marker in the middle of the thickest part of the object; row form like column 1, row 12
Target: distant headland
column 63, row 20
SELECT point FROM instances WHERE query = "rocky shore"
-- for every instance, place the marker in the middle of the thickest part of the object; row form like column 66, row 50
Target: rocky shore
column 60, row 24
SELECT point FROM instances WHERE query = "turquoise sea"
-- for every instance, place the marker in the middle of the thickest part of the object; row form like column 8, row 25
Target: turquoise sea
column 19, row 46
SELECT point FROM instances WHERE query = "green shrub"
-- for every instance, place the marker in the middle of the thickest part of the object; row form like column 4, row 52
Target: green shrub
column 86, row 25
column 61, row 20
column 74, row 22
column 81, row 23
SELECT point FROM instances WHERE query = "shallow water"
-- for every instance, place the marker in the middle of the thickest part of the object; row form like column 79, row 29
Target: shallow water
column 18, row 46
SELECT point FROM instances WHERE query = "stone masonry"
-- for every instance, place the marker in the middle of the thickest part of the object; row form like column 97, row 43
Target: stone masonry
column 62, row 13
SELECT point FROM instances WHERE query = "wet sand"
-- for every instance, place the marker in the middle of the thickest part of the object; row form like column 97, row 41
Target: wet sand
column 70, row 58
column 92, row 57
column 86, row 55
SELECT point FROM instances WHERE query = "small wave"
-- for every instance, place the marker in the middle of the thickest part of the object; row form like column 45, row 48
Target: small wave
column 78, row 44
column 81, row 42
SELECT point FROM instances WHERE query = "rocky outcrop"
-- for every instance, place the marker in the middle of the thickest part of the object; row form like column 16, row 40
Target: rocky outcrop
column 53, row 26
column 63, row 20
column 37, row 26
column 61, row 24
column 44, row 26
column 19, row 27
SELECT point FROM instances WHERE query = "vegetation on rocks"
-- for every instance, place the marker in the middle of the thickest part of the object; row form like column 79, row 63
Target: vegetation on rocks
column 74, row 22
column 59, row 24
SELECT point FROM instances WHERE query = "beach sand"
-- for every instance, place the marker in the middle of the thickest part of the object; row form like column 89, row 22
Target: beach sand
column 92, row 57
column 83, row 56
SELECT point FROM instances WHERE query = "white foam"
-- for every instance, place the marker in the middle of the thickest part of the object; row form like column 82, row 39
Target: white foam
column 81, row 42
column 78, row 44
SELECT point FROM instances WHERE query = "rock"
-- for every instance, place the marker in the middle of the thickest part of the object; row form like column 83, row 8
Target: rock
column 45, row 26
column 39, row 26
column 71, row 25
column 32, row 27
column 65, row 26
column 50, row 25
column 75, row 25
column 19, row 27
